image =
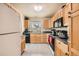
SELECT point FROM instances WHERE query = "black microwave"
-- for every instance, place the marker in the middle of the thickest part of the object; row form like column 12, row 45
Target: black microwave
column 58, row 22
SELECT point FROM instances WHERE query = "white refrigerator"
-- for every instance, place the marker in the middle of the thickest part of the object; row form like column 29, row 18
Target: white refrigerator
column 10, row 32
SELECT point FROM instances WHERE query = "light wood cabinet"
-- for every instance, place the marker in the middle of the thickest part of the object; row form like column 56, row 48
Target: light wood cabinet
column 75, row 7
column 66, row 15
column 35, row 38
column 74, row 52
column 64, row 53
column 52, row 21
column 46, row 24
column 61, row 49
column 26, row 24
column 59, row 13
column 44, row 38
column 56, row 16
column 38, row 38
column 22, row 44
column 57, row 51
column 70, row 15
column 74, row 42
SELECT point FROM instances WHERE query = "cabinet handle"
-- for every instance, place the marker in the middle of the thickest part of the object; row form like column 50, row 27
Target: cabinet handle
column 69, row 12
column 67, row 54
column 69, row 16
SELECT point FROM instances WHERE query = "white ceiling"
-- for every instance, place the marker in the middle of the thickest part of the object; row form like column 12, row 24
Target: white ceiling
column 28, row 9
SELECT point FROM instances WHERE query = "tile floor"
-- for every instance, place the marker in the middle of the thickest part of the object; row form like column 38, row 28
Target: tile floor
column 38, row 50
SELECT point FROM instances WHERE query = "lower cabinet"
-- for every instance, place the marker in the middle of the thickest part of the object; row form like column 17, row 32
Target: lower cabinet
column 61, row 49
column 44, row 38
column 57, row 51
column 74, row 52
column 62, row 53
column 38, row 38
column 35, row 38
column 22, row 44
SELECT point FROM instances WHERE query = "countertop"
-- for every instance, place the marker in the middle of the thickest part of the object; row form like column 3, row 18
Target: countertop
column 39, row 33
column 62, row 40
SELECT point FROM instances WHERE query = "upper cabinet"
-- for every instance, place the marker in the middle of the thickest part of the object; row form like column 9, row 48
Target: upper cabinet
column 75, row 7
column 59, row 13
column 51, row 21
column 63, row 12
column 26, row 24
column 56, row 16
column 74, row 42
column 66, row 11
column 46, row 24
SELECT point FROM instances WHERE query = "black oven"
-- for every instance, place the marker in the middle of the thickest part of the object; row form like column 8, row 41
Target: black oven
column 62, row 34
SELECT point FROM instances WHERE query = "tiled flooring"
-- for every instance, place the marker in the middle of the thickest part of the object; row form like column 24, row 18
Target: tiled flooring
column 38, row 50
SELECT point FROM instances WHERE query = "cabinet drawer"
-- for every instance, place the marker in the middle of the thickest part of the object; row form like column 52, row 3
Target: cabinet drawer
column 44, row 41
column 62, row 46
column 57, row 43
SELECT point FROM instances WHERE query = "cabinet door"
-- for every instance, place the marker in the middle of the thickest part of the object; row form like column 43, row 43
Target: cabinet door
column 60, row 52
column 22, row 44
column 75, row 31
column 60, row 13
column 44, row 38
column 57, row 51
column 46, row 24
column 32, row 38
column 74, row 52
column 66, row 11
column 75, row 7
column 57, row 15
column 35, row 38
column 26, row 24
column 52, row 21
column 38, row 39
column 64, row 53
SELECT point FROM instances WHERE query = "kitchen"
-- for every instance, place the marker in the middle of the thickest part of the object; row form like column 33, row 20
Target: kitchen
column 39, row 29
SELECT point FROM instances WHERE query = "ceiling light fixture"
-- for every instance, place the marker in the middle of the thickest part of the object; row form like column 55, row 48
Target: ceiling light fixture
column 38, row 8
